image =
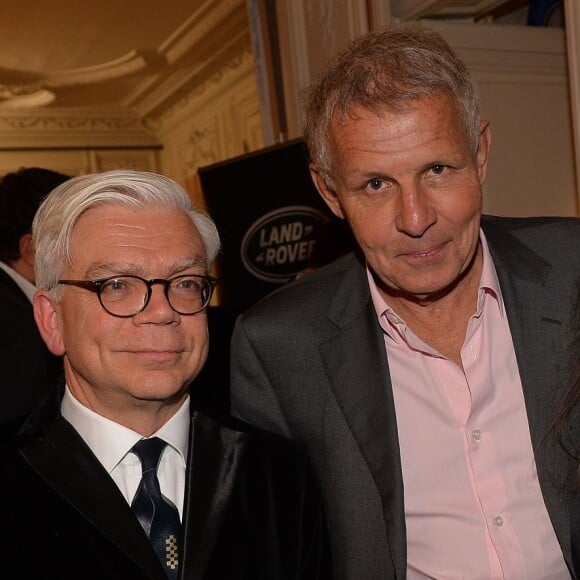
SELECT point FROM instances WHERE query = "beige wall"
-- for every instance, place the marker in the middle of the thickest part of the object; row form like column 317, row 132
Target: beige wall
column 219, row 121
column 521, row 74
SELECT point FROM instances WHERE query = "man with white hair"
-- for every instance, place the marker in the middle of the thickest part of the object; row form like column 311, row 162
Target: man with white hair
column 115, row 476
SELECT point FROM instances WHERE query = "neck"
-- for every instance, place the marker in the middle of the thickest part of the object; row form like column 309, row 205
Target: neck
column 441, row 320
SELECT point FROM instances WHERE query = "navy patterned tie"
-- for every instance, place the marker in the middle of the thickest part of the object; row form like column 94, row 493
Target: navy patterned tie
column 156, row 514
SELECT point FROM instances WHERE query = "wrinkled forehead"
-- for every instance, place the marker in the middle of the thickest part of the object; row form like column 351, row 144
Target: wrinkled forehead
column 140, row 220
column 147, row 237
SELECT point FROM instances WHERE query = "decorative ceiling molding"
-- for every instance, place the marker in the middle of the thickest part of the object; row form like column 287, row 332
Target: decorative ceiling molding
column 216, row 33
column 222, row 77
column 107, row 101
column 79, row 128
column 204, row 23
column 24, row 97
column 131, row 63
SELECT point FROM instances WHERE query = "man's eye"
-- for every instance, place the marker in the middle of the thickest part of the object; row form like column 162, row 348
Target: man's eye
column 120, row 285
column 116, row 285
column 375, row 183
column 438, row 169
column 186, row 284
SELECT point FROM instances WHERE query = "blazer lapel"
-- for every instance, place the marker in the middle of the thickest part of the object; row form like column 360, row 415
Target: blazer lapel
column 215, row 453
column 357, row 365
column 538, row 322
column 67, row 464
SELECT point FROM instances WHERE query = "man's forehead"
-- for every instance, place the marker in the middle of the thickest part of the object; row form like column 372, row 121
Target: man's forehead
column 116, row 238
column 148, row 222
column 127, row 210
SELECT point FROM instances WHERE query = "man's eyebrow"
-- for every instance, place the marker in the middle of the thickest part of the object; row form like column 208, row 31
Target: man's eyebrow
column 105, row 269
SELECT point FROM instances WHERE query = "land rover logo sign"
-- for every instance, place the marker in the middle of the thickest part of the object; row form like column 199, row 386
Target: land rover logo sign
column 277, row 246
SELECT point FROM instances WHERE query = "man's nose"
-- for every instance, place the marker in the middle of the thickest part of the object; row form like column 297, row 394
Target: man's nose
column 158, row 306
column 415, row 210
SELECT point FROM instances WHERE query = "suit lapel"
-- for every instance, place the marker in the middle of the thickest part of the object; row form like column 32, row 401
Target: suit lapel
column 536, row 313
column 537, row 322
column 67, row 464
column 215, row 453
column 356, row 363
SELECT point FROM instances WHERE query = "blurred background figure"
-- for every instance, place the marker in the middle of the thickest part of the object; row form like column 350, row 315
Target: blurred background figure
column 26, row 365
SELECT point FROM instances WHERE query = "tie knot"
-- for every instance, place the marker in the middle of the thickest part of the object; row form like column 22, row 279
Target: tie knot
column 149, row 451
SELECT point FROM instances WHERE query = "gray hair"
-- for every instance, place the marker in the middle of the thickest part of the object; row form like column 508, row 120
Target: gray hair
column 57, row 216
column 387, row 70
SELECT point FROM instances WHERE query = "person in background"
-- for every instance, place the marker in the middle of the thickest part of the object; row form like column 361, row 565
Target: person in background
column 422, row 377
column 27, row 367
column 114, row 475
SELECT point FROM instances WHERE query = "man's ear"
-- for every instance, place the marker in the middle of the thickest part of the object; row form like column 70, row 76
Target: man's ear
column 483, row 149
column 47, row 319
column 26, row 249
column 327, row 193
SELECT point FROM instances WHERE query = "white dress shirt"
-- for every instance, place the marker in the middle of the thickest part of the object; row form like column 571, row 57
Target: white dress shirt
column 112, row 444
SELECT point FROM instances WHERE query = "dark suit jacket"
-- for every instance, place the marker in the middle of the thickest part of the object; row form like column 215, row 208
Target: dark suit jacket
column 27, row 367
column 251, row 511
column 575, row 529
column 309, row 362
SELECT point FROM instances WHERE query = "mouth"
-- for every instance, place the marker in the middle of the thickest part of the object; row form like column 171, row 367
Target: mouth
column 156, row 355
column 428, row 255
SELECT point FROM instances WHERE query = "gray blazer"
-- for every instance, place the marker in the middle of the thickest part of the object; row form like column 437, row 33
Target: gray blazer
column 308, row 362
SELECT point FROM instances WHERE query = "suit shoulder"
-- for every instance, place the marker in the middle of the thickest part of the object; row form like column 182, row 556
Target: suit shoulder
column 534, row 226
column 305, row 294
column 555, row 239
column 267, row 446
column 261, row 444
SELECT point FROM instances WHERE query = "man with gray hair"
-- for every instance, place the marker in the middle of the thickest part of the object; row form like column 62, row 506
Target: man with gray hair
column 114, row 475
column 421, row 371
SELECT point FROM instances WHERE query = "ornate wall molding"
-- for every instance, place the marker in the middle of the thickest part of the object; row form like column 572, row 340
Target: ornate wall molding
column 195, row 56
column 58, row 128
column 221, row 80
column 218, row 120
column 203, row 45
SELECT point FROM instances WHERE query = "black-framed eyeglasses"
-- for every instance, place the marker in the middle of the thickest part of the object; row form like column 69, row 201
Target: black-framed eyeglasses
column 126, row 296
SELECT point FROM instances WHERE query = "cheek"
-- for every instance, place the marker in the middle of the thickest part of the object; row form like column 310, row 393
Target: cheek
column 371, row 228
column 462, row 205
column 197, row 337
column 83, row 330
column 201, row 335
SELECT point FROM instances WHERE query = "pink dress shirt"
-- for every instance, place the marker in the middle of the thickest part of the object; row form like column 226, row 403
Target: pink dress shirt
column 473, row 505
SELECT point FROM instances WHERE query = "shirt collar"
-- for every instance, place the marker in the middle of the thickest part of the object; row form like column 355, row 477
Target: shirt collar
column 488, row 286
column 110, row 441
column 25, row 285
